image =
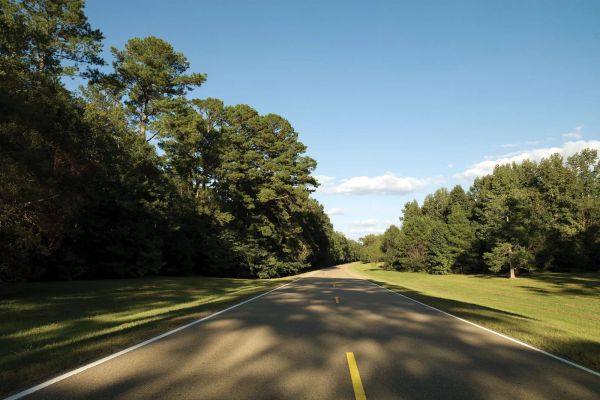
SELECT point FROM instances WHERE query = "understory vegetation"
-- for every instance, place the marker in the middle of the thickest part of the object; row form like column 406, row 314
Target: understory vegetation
column 531, row 216
column 130, row 176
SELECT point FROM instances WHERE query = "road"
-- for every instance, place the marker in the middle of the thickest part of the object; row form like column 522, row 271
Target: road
column 293, row 342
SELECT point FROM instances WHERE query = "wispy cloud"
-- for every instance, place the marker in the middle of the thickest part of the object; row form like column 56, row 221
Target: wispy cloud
column 324, row 180
column 487, row 166
column 574, row 134
column 334, row 211
column 366, row 223
column 387, row 183
column 356, row 233
column 526, row 143
column 358, row 229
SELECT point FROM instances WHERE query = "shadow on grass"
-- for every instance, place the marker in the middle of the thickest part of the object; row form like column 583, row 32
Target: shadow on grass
column 573, row 284
column 580, row 351
column 49, row 327
column 577, row 284
column 459, row 308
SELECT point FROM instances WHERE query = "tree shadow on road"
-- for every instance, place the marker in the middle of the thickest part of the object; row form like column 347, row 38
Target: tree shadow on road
column 48, row 326
column 292, row 344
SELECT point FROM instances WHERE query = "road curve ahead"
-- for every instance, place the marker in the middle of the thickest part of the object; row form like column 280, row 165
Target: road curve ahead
column 298, row 342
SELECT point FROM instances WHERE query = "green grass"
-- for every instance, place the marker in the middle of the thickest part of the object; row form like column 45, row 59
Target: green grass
column 559, row 313
column 49, row 327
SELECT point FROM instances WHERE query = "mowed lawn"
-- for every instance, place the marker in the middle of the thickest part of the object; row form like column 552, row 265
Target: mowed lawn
column 49, row 327
column 559, row 313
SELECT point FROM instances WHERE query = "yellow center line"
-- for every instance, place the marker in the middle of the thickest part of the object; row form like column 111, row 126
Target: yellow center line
column 337, row 300
column 359, row 391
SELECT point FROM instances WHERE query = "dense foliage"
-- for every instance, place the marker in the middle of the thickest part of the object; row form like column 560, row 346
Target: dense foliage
column 130, row 177
column 528, row 216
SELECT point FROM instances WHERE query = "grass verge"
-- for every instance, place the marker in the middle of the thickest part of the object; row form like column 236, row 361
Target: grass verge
column 559, row 313
column 50, row 327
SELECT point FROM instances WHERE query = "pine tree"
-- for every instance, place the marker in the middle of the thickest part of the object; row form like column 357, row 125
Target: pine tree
column 150, row 74
column 438, row 251
column 461, row 238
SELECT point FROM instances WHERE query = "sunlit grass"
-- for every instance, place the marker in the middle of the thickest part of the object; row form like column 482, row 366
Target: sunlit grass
column 48, row 327
column 559, row 313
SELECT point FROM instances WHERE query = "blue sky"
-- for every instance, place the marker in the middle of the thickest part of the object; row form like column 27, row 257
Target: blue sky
column 393, row 98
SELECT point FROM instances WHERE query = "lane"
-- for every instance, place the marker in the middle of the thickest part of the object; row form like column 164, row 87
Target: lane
column 293, row 343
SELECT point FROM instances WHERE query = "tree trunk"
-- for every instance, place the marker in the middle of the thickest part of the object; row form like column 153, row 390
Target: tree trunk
column 143, row 125
column 144, row 118
column 510, row 263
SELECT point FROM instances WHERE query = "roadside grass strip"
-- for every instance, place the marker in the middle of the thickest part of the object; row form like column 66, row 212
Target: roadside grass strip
column 66, row 375
column 511, row 323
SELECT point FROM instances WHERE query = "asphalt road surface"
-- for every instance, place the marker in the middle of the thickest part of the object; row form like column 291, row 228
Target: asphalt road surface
column 293, row 342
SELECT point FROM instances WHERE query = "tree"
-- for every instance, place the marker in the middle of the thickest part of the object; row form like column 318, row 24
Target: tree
column 45, row 145
column 586, row 213
column 84, row 194
column 410, row 210
column 461, row 238
column 505, row 255
column 150, row 74
column 182, row 142
column 534, row 215
column 460, row 198
column 436, row 205
column 439, row 253
column 371, row 248
column 47, row 37
column 261, row 182
column 390, row 246
column 327, row 247
column 118, row 233
column 414, row 242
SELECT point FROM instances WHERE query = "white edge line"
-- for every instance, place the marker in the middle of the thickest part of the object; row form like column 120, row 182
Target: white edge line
column 66, row 375
column 591, row 371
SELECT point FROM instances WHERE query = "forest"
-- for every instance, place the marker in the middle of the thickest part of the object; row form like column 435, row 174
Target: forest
column 129, row 176
column 530, row 216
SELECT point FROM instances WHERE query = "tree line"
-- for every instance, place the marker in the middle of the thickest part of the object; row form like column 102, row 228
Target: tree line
column 524, row 216
column 129, row 177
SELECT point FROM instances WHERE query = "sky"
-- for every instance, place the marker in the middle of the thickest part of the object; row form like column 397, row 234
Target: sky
column 394, row 99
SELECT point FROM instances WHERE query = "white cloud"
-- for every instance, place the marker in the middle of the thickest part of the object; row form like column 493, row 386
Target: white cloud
column 574, row 134
column 387, row 183
column 366, row 223
column 526, row 143
column 324, row 180
column 335, row 211
column 533, row 142
column 358, row 229
column 357, row 233
column 487, row 166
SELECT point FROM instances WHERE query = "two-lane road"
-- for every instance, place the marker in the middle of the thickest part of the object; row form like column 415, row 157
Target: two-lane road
column 293, row 342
